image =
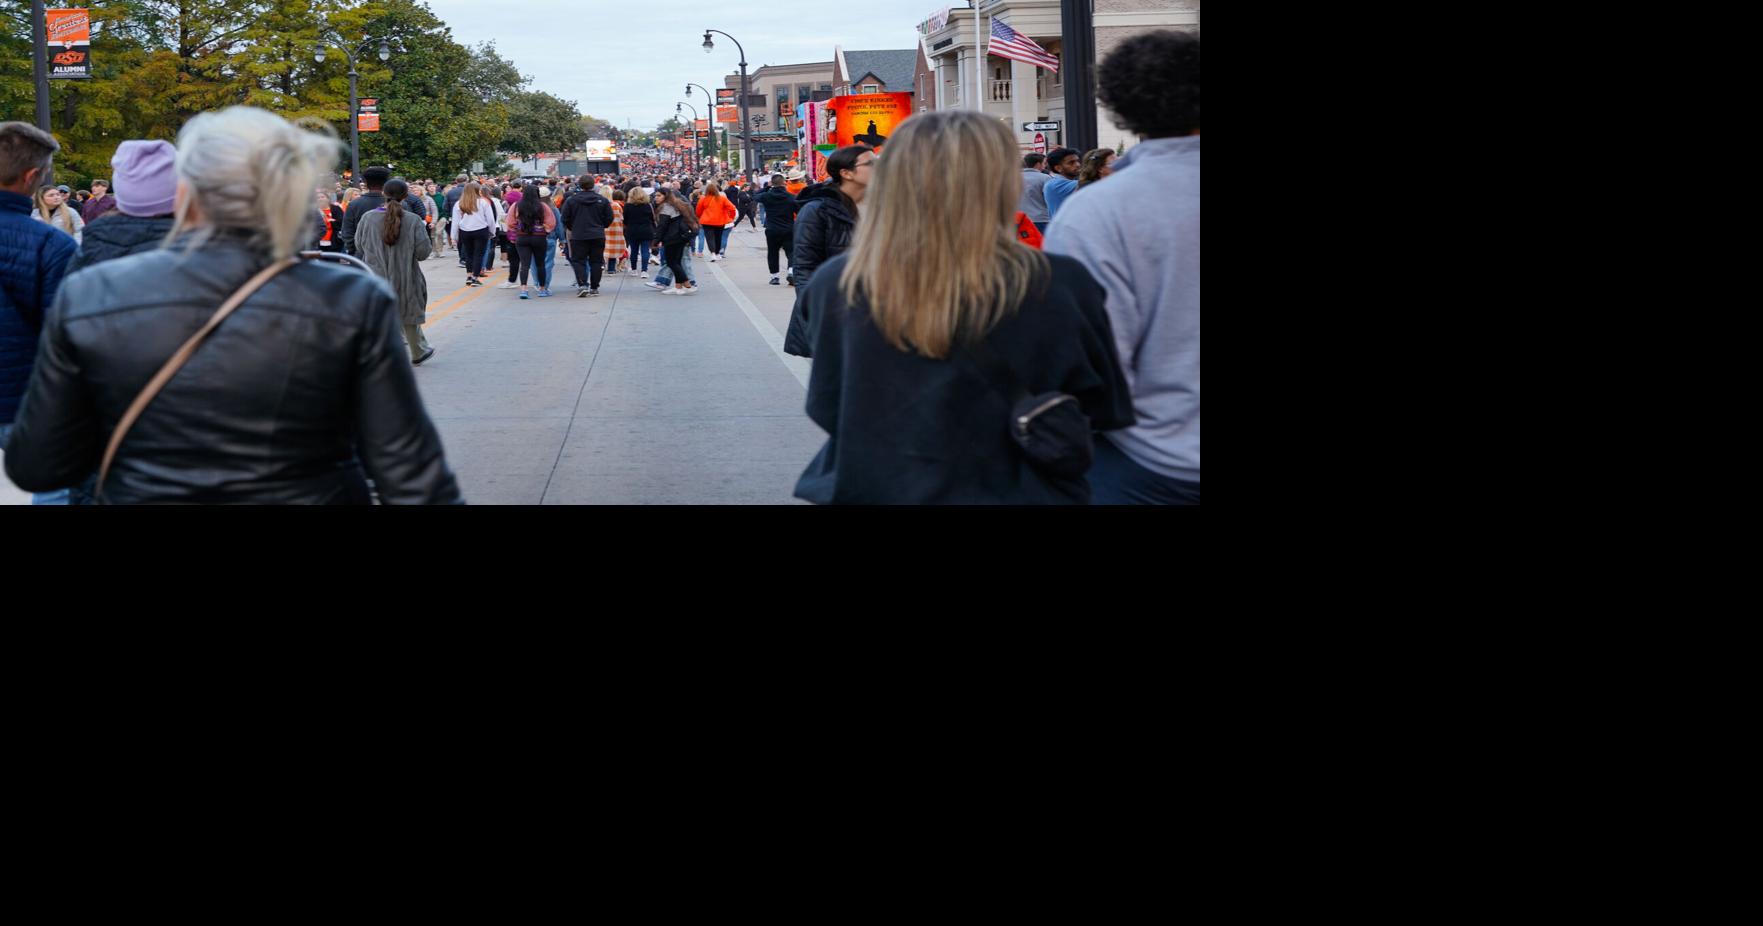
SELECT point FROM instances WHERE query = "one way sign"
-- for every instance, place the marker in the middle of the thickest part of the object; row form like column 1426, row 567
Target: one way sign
column 1040, row 126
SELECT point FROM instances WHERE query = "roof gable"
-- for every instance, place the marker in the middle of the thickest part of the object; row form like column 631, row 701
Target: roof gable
column 894, row 69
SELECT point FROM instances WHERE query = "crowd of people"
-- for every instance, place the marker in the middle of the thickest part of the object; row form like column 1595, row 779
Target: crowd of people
column 986, row 327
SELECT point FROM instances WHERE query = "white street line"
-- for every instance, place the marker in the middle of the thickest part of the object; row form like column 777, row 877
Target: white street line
column 799, row 366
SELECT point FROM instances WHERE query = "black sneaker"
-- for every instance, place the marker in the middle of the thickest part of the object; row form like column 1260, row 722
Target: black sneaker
column 774, row 281
column 425, row 355
column 581, row 294
column 593, row 292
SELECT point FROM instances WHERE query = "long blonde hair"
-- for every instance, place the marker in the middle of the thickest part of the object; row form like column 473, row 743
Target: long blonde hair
column 468, row 200
column 945, row 193
column 63, row 217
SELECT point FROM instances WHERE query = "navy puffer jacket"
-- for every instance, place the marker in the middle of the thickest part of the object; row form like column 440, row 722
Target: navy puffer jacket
column 33, row 259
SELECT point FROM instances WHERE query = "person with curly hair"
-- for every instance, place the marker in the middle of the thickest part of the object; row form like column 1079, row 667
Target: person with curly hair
column 1151, row 82
column 1064, row 163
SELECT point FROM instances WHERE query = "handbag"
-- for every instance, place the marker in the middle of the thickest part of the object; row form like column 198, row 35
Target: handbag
column 177, row 362
column 1050, row 427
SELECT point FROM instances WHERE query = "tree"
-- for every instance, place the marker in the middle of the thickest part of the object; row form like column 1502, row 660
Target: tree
column 541, row 122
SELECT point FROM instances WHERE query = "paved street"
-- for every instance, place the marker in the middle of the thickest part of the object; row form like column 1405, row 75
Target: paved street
column 629, row 398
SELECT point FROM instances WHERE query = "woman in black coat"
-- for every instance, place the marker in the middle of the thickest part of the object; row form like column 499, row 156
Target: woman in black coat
column 639, row 228
column 826, row 218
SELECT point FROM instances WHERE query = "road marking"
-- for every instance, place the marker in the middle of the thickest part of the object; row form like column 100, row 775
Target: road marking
column 447, row 298
column 460, row 304
column 798, row 366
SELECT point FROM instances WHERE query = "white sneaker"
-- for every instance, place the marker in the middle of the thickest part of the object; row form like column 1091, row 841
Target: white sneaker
column 670, row 291
column 644, row 274
column 689, row 291
column 509, row 286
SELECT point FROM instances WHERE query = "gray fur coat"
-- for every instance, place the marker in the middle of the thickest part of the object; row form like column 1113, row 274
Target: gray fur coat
column 398, row 264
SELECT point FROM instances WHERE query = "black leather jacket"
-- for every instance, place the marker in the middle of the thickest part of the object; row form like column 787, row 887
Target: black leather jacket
column 271, row 409
column 824, row 228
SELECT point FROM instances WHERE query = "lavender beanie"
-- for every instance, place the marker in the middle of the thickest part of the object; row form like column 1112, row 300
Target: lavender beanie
column 146, row 179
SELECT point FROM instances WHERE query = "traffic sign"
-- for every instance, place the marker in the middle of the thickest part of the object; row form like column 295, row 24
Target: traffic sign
column 1040, row 143
column 1041, row 126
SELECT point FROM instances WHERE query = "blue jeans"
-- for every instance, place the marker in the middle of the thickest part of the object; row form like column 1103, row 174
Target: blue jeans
column 700, row 245
column 550, row 259
column 640, row 249
column 57, row 497
column 1116, row 480
column 665, row 275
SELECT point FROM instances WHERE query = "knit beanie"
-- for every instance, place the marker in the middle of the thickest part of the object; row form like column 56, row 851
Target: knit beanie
column 146, row 179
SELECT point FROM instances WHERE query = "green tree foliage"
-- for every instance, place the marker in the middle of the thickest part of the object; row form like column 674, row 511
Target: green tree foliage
column 541, row 122
column 157, row 63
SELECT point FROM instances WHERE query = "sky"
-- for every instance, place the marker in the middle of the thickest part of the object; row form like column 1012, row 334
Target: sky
column 632, row 71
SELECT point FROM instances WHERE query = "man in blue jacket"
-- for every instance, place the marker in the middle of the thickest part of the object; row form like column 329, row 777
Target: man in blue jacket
column 33, row 257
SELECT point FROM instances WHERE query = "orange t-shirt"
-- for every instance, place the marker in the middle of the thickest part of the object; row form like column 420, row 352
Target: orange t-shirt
column 795, row 188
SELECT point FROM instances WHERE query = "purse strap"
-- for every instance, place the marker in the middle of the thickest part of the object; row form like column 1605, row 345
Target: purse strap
column 177, row 362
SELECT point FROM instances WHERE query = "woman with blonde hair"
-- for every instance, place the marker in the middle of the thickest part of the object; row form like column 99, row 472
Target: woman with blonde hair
column 53, row 208
column 972, row 373
column 473, row 218
column 287, row 381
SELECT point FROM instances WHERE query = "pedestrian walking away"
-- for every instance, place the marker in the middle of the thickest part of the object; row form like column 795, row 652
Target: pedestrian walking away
column 374, row 198
column 473, row 217
column 311, row 352
column 615, row 231
column 587, row 214
column 394, row 245
column 780, row 224
column 1151, row 82
column 530, row 224
column 973, row 373
column 715, row 213
column 639, row 229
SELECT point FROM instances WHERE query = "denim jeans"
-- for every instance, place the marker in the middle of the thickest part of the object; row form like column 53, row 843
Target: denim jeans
column 57, row 497
column 700, row 244
column 640, row 249
column 665, row 275
column 1116, row 479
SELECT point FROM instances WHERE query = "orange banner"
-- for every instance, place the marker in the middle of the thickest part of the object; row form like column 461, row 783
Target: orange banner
column 70, row 43
column 728, row 114
column 370, row 122
column 868, row 117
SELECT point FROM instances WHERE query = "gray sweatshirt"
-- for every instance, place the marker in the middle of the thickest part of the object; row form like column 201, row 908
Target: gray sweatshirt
column 1034, row 197
column 1149, row 262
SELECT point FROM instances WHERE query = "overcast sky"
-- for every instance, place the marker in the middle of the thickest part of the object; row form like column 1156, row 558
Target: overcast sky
column 631, row 72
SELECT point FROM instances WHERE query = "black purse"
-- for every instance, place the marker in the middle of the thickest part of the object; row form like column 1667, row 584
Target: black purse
column 1050, row 427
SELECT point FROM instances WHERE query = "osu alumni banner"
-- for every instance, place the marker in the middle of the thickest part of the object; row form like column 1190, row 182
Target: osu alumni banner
column 70, row 44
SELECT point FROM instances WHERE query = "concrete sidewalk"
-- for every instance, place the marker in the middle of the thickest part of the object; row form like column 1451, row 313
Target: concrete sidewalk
column 631, row 397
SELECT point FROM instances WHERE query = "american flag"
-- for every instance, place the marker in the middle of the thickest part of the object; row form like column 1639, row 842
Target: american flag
column 1008, row 43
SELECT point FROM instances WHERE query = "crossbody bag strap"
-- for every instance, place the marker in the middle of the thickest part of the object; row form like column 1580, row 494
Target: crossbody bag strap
column 177, row 362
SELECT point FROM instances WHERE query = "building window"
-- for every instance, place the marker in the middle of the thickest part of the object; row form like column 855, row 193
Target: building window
column 804, row 92
column 870, row 88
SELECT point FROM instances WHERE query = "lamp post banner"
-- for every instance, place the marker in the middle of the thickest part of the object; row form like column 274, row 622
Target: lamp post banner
column 70, row 44
column 868, row 118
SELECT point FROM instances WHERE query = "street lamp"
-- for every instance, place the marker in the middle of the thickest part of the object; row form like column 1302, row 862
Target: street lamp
column 710, row 106
column 746, row 137
column 694, row 110
column 385, row 54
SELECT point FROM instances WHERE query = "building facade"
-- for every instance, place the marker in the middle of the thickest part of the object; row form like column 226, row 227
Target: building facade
column 873, row 71
column 1017, row 92
column 775, row 91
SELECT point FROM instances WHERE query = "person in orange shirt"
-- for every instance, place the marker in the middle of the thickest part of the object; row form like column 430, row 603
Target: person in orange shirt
column 795, row 182
column 715, row 214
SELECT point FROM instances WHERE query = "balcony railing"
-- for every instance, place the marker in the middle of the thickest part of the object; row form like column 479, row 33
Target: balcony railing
column 1000, row 91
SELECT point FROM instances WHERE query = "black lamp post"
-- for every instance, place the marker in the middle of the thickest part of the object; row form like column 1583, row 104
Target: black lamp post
column 354, row 105
column 694, row 110
column 710, row 105
column 40, row 64
column 746, row 138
